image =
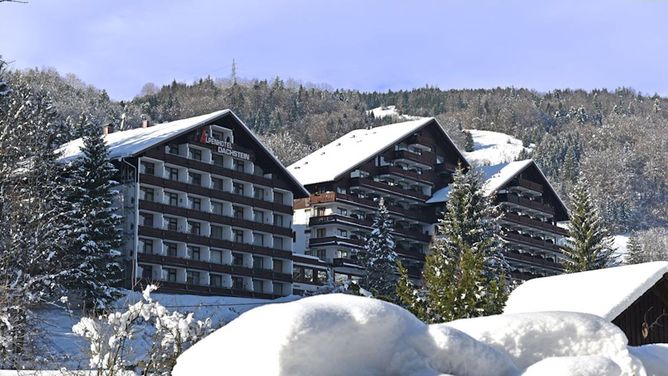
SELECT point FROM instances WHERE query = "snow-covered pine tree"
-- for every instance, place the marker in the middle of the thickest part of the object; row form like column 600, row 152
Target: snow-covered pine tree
column 469, row 144
column 379, row 257
column 464, row 273
column 95, row 236
column 589, row 246
column 634, row 251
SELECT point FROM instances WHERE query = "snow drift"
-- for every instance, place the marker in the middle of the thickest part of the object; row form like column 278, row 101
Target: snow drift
column 348, row 335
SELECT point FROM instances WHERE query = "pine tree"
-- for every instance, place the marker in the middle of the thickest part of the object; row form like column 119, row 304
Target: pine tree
column 469, row 144
column 95, row 234
column 634, row 250
column 590, row 246
column 379, row 257
column 464, row 274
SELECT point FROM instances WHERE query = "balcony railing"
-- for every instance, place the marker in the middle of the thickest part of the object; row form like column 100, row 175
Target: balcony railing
column 335, row 218
column 534, row 260
column 425, row 158
column 424, row 177
column 335, row 240
column 376, row 185
column 528, row 184
column 533, row 223
column 425, row 216
column 545, row 208
column 176, row 287
column 532, row 242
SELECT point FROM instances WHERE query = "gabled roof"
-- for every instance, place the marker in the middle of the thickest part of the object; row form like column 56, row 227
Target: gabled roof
column 341, row 155
column 495, row 177
column 132, row 142
column 605, row 292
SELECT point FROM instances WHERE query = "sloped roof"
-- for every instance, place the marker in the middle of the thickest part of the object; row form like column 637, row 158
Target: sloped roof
column 605, row 292
column 341, row 155
column 495, row 177
column 134, row 141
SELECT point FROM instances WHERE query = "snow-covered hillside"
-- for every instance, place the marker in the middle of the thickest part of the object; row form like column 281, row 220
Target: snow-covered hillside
column 491, row 148
column 390, row 111
column 348, row 335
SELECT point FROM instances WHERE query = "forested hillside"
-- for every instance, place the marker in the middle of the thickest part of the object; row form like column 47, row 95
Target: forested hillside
column 617, row 139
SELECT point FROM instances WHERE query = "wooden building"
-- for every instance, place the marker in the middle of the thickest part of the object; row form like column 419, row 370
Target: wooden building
column 207, row 208
column 633, row 297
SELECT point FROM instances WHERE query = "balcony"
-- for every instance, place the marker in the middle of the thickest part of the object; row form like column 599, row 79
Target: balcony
column 535, row 261
column 335, row 240
column 533, row 223
column 376, row 185
column 180, row 288
column 545, row 208
column 528, row 184
column 424, row 177
column 445, row 167
column 335, row 218
column 425, row 158
column 426, row 215
column 419, row 140
column 537, row 243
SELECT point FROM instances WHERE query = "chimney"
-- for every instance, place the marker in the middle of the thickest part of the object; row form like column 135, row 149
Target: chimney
column 145, row 123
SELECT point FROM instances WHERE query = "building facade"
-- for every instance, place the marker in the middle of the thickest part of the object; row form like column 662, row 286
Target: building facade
column 207, row 208
column 402, row 163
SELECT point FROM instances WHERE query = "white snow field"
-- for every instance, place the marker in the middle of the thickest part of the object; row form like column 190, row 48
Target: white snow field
column 491, row 148
column 348, row 335
column 390, row 111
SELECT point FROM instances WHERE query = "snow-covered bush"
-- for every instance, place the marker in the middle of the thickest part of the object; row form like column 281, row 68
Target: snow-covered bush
column 111, row 337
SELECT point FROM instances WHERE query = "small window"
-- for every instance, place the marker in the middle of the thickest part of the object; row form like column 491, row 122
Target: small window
column 278, row 266
column 278, row 197
column 217, row 184
column 237, row 259
column 171, row 274
column 320, row 233
column 238, row 212
column 239, row 165
column 194, row 253
column 258, row 239
column 195, row 178
column 278, row 288
column 173, row 149
column 149, row 193
column 149, row 168
column 147, row 246
column 217, row 160
column 217, row 207
column 258, row 216
column 322, row 276
column 342, row 211
column 146, row 271
column 342, row 233
column 278, row 243
column 171, row 249
column 172, row 198
column 216, row 256
column 278, row 220
column 238, row 236
column 173, row 173
column 147, row 219
column 308, row 274
column 258, row 262
column 196, row 203
column 238, row 189
column 194, row 228
column 195, row 154
column 172, row 223
column 216, row 232
column 258, row 285
column 258, row 193
column 237, row 283
column 215, row 280
column 192, row 277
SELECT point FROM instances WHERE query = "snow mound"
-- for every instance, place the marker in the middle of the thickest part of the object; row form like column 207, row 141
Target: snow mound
column 531, row 338
column 654, row 358
column 593, row 365
column 339, row 335
column 491, row 148
column 390, row 111
column 605, row 292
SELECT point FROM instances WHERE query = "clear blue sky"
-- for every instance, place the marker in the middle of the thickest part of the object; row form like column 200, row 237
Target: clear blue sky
column 371, row 45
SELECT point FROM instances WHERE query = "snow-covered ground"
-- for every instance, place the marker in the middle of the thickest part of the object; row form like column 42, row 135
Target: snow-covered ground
column 390, row 111
column 347, row 335
column 70, row 350
column 491, row 148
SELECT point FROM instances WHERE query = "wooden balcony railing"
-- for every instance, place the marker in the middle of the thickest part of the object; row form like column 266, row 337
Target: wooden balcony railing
column 335, row 218
column 545, row 208
column 533, row 223
column 376, row 185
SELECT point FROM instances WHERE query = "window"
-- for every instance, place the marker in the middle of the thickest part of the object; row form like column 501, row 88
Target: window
column 196, row 203
column 342, row 211
column 216, row 232
column 342, row 253
column 278, row 220
column 320, row 233
column 172, row 173
column 278, row 243
column 216, row 256
column 172, row 198
column 217, row 207
column 278, row 197
column 217, row 184
column 237, row 259
column 171, row 249
column 173, row 149
column 278, row 288
column 149, row 193
column 217, row 135
column 342, row 233
column 172, row 223
column 258, row 285
column 258, row 239
column 237, row 283
column 171, row 274
column 238, row 189
column 238, row 212
column 238, row 236
column 217, row 160
column 258, row 193
column 308, row 274
column 321, row 253
column 147, row 246
column 258, row 216
column 192, row 277
column 239, row 165
column 215, row 280
column 320, row 211
column 322, row 276
column 194, row 253
column 195, row 178
column 297, row 274
column 195, row 154
column 146, row 271
column 258, row 262
column 147, row 219
column 194, row 228
column 278, row 266
column 149, row 168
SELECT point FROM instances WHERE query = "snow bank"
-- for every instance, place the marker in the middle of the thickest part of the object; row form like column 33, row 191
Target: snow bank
column 490, row 148
column 390, row 111
column 654, row 358
column 349, row 335
column 531, row 338
column 338, row 335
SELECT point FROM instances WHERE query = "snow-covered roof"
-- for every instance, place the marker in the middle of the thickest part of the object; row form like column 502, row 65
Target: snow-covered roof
column 495, row 177
column 127, row 143
column 605, row 292
column 346, row 152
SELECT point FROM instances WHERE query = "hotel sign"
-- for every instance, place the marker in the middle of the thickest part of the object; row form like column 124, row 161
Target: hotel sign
column 223, row 147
